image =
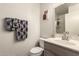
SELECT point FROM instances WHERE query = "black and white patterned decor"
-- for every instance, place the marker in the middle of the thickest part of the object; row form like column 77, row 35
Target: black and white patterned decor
column 21, row 31
column 19, row 26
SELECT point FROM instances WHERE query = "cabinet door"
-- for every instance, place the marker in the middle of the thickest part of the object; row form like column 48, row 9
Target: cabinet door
column 48, row 53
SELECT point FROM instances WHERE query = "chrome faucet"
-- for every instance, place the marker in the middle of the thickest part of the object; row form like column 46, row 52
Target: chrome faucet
column 65, row 36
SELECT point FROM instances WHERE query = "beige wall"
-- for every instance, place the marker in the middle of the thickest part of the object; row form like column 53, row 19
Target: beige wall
column 29, row 12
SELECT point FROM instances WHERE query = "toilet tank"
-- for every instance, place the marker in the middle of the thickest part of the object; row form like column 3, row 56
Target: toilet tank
column 41, row 43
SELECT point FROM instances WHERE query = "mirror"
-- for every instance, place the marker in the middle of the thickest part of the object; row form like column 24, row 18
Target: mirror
column 60, row 12
column 67, row 18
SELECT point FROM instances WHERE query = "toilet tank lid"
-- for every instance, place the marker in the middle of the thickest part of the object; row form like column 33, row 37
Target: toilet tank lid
column 36, row 50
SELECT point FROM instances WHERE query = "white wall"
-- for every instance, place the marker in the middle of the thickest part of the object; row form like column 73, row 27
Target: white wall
column 29, row 12
column 47, row 27
column 57, row 4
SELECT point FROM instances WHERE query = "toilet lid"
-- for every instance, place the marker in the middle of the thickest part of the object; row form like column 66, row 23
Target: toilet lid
column 36, row 50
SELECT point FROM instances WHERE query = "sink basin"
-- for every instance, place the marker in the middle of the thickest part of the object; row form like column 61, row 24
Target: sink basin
column 66, row 42
column 58, row 40
column 74, row 41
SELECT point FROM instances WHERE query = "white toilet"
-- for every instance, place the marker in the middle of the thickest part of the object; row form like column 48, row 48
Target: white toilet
column 37, row 51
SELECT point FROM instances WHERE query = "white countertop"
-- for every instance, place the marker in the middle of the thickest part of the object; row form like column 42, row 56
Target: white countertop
column 74, row 46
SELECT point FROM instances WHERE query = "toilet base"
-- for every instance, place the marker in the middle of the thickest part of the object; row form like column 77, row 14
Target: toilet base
column 38, row 54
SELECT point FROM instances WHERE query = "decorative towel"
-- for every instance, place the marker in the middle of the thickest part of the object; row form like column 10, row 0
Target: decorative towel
column 21, row 31
column 19, row 26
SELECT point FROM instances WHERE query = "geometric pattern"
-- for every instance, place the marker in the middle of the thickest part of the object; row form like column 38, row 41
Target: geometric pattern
column 19, row 26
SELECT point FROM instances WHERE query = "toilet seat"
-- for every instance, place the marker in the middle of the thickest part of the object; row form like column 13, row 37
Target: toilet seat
column 36, row 50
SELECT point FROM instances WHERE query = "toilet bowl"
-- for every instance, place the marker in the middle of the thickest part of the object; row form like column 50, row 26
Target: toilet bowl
column 37, row 51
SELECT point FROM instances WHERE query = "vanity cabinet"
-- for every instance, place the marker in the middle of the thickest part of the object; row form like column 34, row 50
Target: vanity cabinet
column 51, row 49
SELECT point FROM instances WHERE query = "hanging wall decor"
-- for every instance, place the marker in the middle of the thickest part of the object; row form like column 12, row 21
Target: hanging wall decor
column 21, row 31
column 17, row 25
column 8, row 25
column 45, row 14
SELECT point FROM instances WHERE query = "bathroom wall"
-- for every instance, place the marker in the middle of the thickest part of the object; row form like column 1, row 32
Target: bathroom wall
column 47, row 27
column 57, row 4
column 29, row 12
